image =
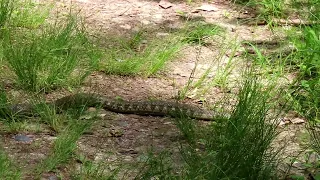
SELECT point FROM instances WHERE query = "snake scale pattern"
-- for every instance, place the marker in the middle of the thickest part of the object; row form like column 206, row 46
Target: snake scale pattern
column 146, row 108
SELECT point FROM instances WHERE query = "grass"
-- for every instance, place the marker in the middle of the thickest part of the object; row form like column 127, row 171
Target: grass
column 49, row 116
column 95, row 171
column 222, row 68
column 64, row 146
column 140, row 55
column 200, row 34
column 29, row 14
column 51, row 58
column 307, row 91
column 6, row 8
column 7, row 169
column 238, row 146
column 133, row 57
column 306, row 87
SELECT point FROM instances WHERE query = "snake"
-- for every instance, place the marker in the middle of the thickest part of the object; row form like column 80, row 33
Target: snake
column 144, row 108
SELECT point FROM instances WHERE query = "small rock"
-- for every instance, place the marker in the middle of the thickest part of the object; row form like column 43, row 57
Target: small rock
column 313, row 158
column 205, row 7
column 116, row 132
column 297, row 121
column 126, row 26
column 282, row 121
column 92, row 109
column 128, row 158
column 158, row 16
column 162, row 35
column 298, row 165
column 145, row 22
column 22, row 138
column 102, row 115
column 53, row 177
column 123, row 123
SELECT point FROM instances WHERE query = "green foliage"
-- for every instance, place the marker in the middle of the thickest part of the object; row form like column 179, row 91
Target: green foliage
column 3, row 104
column 157, row 167
column 6, row 8
column 7, row 169
column 197, row 33
column 49, row 60
column 64, row 146
column 307, row 60
column 221, row 67
column 133, row 57
column 237, row 146
column 29, row 14
column 94, row 171
column 48, row 115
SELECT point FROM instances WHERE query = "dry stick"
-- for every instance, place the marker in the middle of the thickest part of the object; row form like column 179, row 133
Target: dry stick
column 283, row 22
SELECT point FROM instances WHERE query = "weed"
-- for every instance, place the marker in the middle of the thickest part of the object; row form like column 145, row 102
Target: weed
column 6, row 8
column 51, row 60
column 7, row 168
column 95, row 171
column 220, row 65
column 64, row 146
column 3, row 103
column 198, row 33
column 237, row 146
column 48, row 115
column 29, row 14
column 157, row 167
column 307, row 93
column 124, row 60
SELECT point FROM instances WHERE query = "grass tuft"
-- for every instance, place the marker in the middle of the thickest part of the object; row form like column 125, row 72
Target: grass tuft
column 135, row 58
column 237, row 146
column 6, row 8
column 198, row 33
column 7, row 168
column 51, row 58
column 64, row 147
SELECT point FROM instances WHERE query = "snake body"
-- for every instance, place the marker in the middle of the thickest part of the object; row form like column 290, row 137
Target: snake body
column 146, row 108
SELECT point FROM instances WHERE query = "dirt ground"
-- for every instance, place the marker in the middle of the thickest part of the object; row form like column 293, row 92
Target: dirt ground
column 128, row 137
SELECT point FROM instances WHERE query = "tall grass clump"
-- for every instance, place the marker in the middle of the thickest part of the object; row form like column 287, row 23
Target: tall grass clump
column 6, row 9
column 237, row 146
column 52, row 57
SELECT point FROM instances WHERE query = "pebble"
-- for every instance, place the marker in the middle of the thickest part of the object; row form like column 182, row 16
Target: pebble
column 22, row 138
